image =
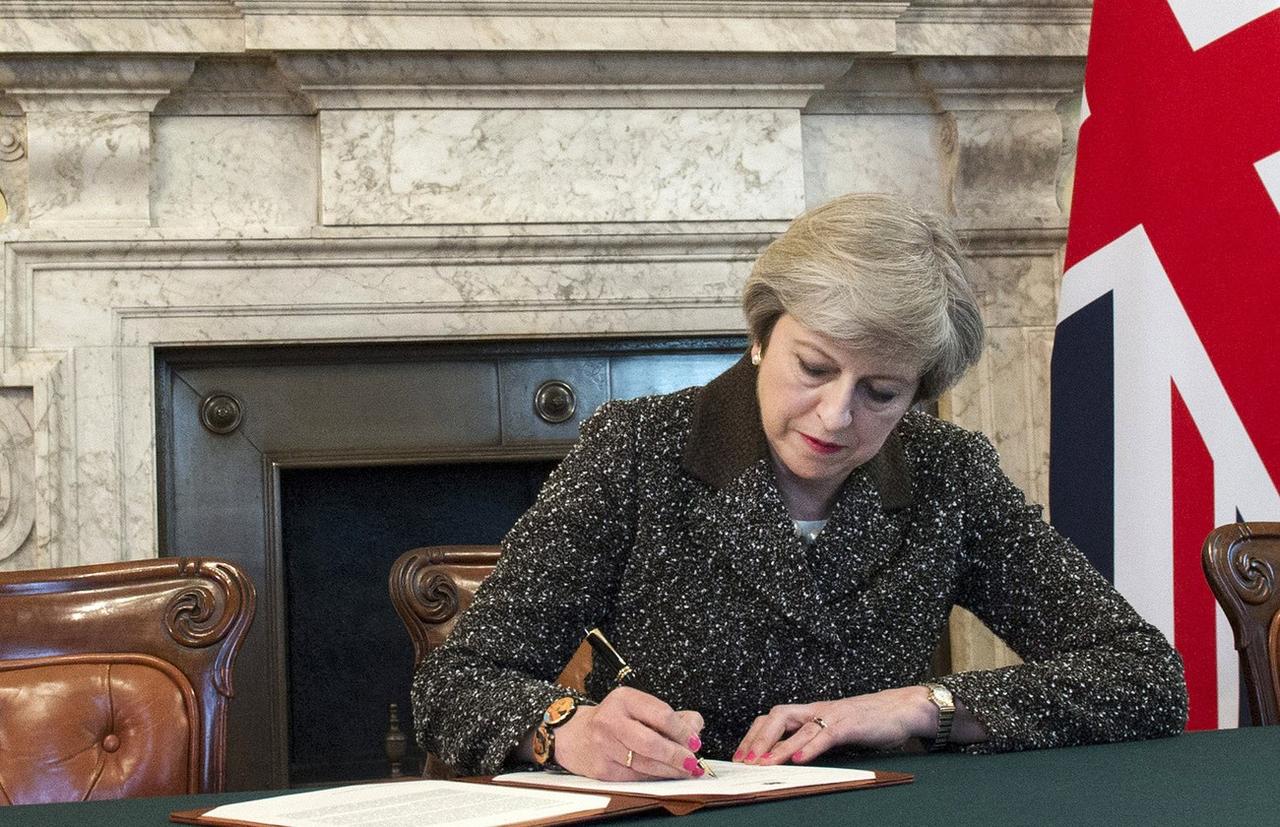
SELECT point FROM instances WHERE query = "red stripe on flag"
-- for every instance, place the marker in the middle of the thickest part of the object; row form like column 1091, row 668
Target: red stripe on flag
column 1193, row 604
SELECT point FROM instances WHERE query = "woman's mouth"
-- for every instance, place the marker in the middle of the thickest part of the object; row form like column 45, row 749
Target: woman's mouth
column 820, row 446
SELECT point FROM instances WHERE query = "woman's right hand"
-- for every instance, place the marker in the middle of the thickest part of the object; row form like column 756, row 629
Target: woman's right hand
column 595, row 741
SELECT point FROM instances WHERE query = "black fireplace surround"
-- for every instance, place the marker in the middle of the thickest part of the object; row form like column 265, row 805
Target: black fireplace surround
column 313, row 467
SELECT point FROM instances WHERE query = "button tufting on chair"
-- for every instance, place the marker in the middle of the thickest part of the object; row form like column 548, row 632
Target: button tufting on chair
column 114, row 678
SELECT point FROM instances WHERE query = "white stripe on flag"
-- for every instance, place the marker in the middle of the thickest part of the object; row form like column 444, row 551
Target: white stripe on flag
column 1228, row 672
column 1082, row 285
column 1143, row 455
column 1269, row 171
column 1204, row 21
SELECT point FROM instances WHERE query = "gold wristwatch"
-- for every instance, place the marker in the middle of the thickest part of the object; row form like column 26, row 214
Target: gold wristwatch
column 544, row 737
column 941, row 698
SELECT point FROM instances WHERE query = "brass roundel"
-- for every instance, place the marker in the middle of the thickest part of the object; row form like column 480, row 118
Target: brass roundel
column 221, row 413
column 555, row 401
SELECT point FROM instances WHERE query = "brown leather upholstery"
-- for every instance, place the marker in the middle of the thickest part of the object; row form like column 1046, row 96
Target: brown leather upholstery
column 1240, row 561
column 97, row 726
column 432, row 586
column 114, row 678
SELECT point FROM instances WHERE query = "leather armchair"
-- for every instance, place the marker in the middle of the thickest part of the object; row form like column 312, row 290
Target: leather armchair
column 1241, row 561
column 114, row 679
column 431, row 587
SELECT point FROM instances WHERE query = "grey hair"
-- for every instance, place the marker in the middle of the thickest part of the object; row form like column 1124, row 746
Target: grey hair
column 872, row 272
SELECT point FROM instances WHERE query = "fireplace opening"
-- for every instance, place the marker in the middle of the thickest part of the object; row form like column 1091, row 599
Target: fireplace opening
column 349, row 656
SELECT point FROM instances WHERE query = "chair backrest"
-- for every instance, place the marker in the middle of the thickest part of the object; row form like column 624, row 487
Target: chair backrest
column 1240, row 561
column 432, row 586
column 114, row 678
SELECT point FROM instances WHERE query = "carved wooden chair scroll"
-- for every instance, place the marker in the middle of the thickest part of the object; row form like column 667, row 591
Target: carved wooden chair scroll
column 1241, row 561
column 431, row 587
column 114, row 678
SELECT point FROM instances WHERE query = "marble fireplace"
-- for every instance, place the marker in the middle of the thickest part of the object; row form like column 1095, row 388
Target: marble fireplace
column 269, row 173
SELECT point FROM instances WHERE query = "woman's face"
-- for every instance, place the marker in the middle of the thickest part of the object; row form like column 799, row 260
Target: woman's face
column 827, row 408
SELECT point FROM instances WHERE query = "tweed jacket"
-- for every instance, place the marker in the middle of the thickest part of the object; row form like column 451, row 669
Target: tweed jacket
column 665, row 527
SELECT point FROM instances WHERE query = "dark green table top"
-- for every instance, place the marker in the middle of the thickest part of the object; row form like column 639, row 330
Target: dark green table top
column 1204, row 778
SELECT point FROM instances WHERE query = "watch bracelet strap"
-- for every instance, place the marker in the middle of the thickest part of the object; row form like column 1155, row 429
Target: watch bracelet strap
column 551, row 763
column 946, row 718
column 943, row 737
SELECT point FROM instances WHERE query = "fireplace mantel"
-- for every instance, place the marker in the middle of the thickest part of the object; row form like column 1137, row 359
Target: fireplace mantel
column 909, row 27
column 84, row 317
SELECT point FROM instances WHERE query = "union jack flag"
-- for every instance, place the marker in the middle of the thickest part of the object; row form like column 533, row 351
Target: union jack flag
column 1166, row 361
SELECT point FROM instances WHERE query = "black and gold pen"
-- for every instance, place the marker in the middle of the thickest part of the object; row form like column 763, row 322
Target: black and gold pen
column 625, row 675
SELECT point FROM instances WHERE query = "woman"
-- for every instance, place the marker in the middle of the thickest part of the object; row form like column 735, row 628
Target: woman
column 776, row 553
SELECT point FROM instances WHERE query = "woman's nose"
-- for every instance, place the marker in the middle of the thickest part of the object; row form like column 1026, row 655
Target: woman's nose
column 836, row 410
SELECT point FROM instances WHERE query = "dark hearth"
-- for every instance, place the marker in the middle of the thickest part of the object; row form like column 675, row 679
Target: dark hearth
column 348, row 651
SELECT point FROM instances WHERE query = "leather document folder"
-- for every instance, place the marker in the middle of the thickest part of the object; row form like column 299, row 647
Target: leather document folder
column 618, row 803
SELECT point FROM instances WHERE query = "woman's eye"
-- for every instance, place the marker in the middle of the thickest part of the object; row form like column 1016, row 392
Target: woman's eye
column 814, row 370
column 882, row 397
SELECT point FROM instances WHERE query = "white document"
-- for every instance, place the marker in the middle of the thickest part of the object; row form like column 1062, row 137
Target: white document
column 410, row 804
column 732, row 779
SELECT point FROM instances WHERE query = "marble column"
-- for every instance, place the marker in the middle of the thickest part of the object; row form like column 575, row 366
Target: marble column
column 1010, row 125
column 88, row 133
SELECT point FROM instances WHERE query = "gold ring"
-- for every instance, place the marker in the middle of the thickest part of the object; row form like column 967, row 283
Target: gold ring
column 630, row 755
column 819, row 721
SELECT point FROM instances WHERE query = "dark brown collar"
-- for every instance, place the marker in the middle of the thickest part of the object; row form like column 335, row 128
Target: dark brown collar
column 727, row 436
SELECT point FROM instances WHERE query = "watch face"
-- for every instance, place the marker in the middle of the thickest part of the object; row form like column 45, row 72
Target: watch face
column 560, row 711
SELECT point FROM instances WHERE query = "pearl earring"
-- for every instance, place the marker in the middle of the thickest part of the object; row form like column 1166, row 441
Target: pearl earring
column 755, row 357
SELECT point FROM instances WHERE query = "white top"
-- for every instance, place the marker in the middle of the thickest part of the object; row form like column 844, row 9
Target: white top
column 808, row 530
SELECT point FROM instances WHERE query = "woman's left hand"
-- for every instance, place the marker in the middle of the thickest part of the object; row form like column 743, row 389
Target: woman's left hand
column 881, row 720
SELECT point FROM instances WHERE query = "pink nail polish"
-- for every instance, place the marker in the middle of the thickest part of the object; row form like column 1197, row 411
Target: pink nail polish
column 766, row 756
column 737, row 755
column 699, row 772
column 691, row 764
column 797, row 756
column 751, row 756
column 695, row 743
